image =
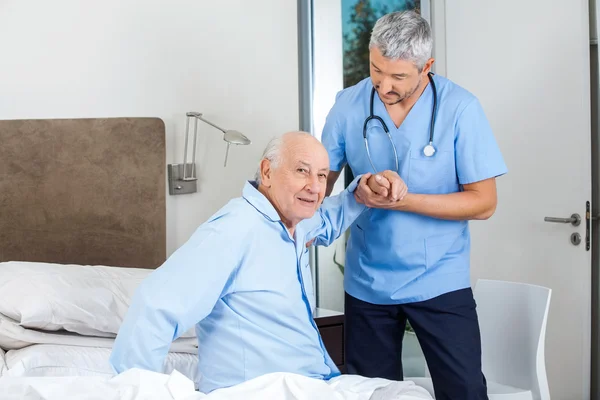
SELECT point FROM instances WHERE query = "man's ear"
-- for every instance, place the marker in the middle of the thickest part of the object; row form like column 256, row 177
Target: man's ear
column 266, row 172
column 428, row 65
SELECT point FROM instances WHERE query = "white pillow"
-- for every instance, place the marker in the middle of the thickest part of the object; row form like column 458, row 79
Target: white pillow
column 57, row 360
column 88, row 300
column 13, row 336
column 2, row 362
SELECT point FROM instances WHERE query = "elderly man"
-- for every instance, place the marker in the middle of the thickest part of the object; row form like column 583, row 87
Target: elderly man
column 242, row 278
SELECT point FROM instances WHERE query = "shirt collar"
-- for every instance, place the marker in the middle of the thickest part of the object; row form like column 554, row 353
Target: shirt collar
column 259, row 201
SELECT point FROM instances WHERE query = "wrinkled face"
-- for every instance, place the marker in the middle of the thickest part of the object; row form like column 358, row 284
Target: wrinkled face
column 395, row 80
column 296, row 186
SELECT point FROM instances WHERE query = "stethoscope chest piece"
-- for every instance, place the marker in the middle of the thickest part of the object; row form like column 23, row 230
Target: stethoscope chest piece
column 429, row 150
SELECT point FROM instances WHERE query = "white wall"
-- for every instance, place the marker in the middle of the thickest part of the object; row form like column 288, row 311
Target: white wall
column 235, row 61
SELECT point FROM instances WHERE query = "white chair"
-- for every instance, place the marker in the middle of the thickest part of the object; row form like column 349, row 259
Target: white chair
column 512, row 319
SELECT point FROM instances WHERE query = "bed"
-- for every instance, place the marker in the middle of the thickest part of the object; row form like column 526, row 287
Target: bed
column 82, row 223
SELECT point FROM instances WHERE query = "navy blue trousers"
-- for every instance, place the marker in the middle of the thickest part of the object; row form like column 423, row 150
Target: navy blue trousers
column 447, row 329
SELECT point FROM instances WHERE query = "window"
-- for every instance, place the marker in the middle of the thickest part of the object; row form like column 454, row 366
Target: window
column 358, row 18
column 334, row 40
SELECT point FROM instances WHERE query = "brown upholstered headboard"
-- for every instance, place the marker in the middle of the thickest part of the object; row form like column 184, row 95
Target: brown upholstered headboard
column 83, row 191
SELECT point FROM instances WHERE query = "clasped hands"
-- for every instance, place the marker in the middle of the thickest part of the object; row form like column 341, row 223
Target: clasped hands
column 381, row 190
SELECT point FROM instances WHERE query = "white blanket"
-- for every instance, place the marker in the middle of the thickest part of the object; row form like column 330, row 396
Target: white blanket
column 137, row 384
column 13, row 336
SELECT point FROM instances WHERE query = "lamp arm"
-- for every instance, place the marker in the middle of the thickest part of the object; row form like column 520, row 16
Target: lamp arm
column 210, row 123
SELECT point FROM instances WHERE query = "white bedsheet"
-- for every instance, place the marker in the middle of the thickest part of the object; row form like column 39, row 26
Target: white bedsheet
column 69, row 361
column 14, row 336
column 137, row 385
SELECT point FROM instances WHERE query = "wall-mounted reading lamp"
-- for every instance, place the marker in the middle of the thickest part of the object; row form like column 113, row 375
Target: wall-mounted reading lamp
column 182, row 177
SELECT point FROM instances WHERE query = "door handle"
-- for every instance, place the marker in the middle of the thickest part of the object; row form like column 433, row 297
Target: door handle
column 574, row 220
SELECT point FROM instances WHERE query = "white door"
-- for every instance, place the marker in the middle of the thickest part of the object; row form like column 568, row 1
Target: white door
column 528, row 62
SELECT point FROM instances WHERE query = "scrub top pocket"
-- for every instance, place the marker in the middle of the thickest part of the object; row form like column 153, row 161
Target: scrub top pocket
column 431, row 175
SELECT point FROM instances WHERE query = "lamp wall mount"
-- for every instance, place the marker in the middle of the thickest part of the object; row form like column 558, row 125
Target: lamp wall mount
column 177, row 183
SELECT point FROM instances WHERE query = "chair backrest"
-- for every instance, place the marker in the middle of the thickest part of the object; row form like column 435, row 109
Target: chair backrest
column 512, row 318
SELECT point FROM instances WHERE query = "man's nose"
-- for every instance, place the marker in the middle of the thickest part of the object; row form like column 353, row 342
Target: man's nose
column 385, row 85
column 313, row 185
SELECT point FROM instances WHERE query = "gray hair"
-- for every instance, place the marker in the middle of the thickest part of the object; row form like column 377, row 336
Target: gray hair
column 403, row 35
column 272, row 153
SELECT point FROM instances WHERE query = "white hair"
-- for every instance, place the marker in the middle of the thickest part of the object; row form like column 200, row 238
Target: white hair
column 403, row 35
column 272, row 153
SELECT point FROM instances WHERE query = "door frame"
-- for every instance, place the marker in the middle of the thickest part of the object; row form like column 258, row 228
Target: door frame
column 594, row 14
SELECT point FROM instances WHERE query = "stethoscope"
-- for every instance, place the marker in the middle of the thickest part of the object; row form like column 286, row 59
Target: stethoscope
column 428, row 150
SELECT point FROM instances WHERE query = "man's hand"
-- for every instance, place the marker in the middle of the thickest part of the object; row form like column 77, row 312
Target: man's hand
column 388, row 184
column 382, row 190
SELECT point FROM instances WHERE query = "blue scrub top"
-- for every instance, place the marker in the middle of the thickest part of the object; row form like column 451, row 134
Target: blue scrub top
column 396, row 257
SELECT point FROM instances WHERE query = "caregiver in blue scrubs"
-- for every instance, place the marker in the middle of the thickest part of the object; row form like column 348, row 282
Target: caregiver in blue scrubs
column 409, row 260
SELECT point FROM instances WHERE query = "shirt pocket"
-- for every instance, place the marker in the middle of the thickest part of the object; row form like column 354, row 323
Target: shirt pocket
column 431, row 175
